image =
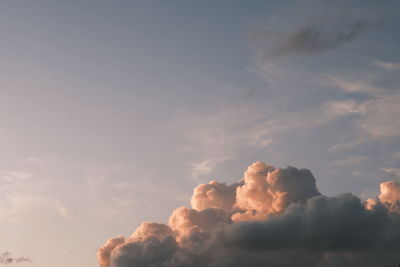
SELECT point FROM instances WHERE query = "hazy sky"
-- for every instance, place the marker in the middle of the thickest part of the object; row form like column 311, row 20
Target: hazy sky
column 112, row 111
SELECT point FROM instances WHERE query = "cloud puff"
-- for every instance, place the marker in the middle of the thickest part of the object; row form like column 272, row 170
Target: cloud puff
column 104, row 253
column 187, row 221
column 214, row 195
column 266, row 190
column 390, row 195
column 149, row 229
column 272, row 217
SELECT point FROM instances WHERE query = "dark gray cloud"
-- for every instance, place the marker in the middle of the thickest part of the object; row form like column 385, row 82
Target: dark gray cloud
column 149, row 252
column 312, row 39
column 323, row 223
column 308, row 39
column 326, row 231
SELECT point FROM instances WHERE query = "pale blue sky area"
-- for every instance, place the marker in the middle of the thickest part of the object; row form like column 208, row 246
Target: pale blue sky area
column 112, row 111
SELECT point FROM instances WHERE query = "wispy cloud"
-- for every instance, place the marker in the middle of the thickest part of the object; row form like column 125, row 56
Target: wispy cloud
column 393, row 173
column 21, row 192
column 312, row 39
column 346, row 107
column 203, row 168
column 390, row 66
column 7, row 258
column 348, row 161
column 353, row 86
column 376, row 120
column 381, row 117
column 317, row 37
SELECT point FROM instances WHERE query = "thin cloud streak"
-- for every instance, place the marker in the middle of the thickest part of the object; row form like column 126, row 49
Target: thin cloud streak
column 7, row 258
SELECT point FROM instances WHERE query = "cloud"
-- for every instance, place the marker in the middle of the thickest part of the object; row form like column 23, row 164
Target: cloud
column 205, row 167
column 186, row 222
column 381, row 116
column 148, row 252
column 389, row 66
column 392, row 172
column 266, row 190
column 7, row 258
column 348, row 161
column 218, row 136
column 374, row 119
column 272, row 217
column 22, row 194
column 345, row 107
column 214, row 195
column 390, row 195
column 104, row 253
column 313, row 38
column 17, row 205
column 148, row 229
column 358, row 86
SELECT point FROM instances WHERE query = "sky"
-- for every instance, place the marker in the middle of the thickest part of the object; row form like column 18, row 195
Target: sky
column 113, row 111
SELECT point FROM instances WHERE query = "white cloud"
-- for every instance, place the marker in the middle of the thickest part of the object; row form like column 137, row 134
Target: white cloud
column 348, row 161
column 16, row 206
column 382, row 116
column 346, row 107
column 390, row 66
column 354, row 86
column 202, row 168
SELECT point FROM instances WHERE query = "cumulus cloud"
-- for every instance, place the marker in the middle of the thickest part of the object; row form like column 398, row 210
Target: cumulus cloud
column 272, row 217
column 214, row 195
column 266, row 190
column 104, row 253
column 149, row 229
column 390, row 195
column 187, row 221
column 148, row 252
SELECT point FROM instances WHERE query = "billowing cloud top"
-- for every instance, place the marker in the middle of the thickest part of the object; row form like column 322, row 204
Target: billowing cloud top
column 272, row 217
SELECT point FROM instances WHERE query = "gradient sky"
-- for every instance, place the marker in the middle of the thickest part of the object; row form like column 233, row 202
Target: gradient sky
column 112, row 111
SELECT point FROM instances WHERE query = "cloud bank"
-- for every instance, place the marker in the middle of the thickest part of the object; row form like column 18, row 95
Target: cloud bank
column 272, row 217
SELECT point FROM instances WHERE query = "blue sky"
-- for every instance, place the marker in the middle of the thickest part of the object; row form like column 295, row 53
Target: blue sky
column 112, row 112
